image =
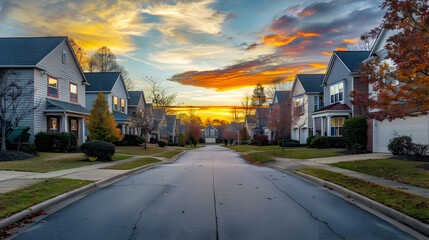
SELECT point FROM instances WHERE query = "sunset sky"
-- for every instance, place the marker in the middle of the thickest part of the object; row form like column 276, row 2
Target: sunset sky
column 211, row 51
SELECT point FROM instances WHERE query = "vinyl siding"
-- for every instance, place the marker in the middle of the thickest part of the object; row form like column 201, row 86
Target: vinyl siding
column 119, row 91
column 339, row 72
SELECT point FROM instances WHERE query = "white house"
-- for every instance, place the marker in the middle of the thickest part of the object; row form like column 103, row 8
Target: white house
column 112, row 85
column 307, row 97
column 210, row 134
column 340, row 80
column 382, row 131
column 58, row 82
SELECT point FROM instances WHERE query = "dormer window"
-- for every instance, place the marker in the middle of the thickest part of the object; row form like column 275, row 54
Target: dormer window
column 52, row 87
column 336, row 92
column 64, row 57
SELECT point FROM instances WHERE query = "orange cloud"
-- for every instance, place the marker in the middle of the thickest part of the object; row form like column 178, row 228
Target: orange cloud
column 334, row 30
column 318, row 65
column 309, row 34
column 350, row 41
column 327, row 53
column 277, row 40
column 328, row 42
column 340, row 49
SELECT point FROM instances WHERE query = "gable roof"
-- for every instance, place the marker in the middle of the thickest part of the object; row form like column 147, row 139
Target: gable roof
column 312, row 83
column 171, row 121
column 334, row 107
column 135, row 97
column 210, row 127
column 26, row 51
column 101, row 81
column 159, row 113
column 281, row 96
column 352, row 58
column 250, row 119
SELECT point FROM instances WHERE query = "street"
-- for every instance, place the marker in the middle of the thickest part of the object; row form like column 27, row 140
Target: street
column 211, row 193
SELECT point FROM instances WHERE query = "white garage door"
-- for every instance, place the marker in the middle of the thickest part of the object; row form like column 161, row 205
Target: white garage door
column 415, row 127
column 210, row 140
column 303, row 136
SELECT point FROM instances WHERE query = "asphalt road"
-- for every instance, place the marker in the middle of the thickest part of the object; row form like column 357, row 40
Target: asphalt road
column 211, row 193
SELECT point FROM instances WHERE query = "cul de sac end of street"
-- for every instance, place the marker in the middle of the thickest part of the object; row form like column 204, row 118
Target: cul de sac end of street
column 214, row 119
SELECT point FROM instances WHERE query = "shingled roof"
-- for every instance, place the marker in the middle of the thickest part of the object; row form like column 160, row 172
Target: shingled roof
column 158, row 113
column 312, row 83
column 26, row 51
column 334, row 107
column 171, row 121
column 101, row 81
column 352, row 58
column 134, row 97
column 281, row 96
column 60, row 106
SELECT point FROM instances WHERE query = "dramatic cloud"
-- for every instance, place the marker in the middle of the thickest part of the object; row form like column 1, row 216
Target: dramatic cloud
column 303, row 39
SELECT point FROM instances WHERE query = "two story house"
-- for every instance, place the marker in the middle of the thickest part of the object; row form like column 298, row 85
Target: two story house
column 307, row 97
column 279, row 123
column 339, row 81
column 136, row 110
column 57, row 83
column 112, row 85
column 210, row 134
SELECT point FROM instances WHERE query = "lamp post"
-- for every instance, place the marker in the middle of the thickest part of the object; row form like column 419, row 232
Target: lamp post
column 238, row 137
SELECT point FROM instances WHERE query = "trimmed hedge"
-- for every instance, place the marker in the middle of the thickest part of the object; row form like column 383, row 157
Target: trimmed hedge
column 355, row 134
column 403, row 146
column 309, row 139
column 261, row 140
column 101, row 150
column 162, row 143
column 55, row 142
column 288, row 143
column 328, row 142
column 130, row 140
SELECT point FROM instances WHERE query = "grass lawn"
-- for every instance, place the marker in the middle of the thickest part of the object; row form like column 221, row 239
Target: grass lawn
column 257, row 158
column 133, row 164
column 18, row 200
column 308, row 153
column 48, row 162
column 412, row 205
column 169, row 154
column 248, row 148
column 138, row 150
column 392, row 169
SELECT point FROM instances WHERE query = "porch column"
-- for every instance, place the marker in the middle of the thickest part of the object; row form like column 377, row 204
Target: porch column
column 329, row 126
column 65, row 124
column 314, row 126
column 322, row 126
column 123, row 128
column 127, row 129
column 82, row 129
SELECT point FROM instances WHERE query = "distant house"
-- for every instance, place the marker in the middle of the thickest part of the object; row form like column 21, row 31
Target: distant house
column 57, row 83
column 339, row 81
column 172, row 128
column 136, row 107
column 210, row 134
column 261, row 128
column 112, row 85
column 160, row 125
column 250, row 123
column 281, row 102
column 307, row 97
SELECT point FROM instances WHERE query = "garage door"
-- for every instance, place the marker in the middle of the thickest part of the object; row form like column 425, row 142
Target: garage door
column 210, row 140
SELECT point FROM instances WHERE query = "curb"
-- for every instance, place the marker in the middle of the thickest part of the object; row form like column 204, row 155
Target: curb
column 65, row 196
column 396, row 215
column 173, row 159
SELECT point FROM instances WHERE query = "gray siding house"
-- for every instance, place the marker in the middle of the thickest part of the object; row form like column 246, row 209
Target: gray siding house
column 58, row 82
column 136, row 107
column 210, row 134
column 112, row 85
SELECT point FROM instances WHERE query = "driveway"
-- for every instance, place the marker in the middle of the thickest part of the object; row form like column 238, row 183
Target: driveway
column 211, row 193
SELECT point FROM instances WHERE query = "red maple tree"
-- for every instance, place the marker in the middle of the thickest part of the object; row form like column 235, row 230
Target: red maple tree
column 400, row 81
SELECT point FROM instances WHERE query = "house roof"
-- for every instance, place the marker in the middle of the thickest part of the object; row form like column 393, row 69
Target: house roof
column 60, row 106
column 334, row 107
column 210, row 127
column 101, row 81
column 171, row 121
column 250, row 119
column 262, row 111
column 26, row 51
column 159, row 113
column 311, row 82
column 281, row 96
column 352, row 58
column 134, row 97
column 120, row 116
column 234, row 126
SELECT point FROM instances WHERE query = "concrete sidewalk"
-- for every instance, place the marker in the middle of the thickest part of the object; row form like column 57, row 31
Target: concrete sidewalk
column 13, row 180
column 291, row 164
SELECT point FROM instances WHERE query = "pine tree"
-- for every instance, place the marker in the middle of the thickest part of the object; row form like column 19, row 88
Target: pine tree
column 101, row 124
column 244, row 134
column 258, row 96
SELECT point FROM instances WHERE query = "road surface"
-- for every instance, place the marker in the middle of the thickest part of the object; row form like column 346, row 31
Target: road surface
column 211, row 193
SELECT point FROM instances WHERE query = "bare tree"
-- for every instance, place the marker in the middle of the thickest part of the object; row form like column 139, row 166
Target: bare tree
column 144, row 121
column 279, row 119
column 80, row 54
column 16, row 103
column 278, row 86
column 246, row 105
column 159, row 95
column 235, row 114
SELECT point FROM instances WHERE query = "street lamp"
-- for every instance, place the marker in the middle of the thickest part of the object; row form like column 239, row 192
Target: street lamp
column 238, row 137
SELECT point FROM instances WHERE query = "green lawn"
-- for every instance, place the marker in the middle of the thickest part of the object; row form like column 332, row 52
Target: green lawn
column 396, row 170
column 18, row 200
column 248, row 148
column 169, row 154
column 412, row 205
column 138, row 150
column 257, row 158
column 133, row 164
column 48, row 162
column 307, row 153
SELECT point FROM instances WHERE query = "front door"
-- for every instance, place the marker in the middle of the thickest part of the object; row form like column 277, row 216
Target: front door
column 74, row 127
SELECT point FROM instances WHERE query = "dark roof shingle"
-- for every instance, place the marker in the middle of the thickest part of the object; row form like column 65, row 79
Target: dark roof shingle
column 352, row 58
column 55, row 105
column 281, row 96
column 134, row 97
column 101, row 81
column 334, row 107
column 311, row 82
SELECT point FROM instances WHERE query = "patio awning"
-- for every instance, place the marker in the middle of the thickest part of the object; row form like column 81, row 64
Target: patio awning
column 60, row 106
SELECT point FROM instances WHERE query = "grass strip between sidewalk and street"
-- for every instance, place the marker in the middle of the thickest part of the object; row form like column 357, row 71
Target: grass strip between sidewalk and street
column 138, row 150
column 408, row 172
column 257, row 158
column 409, row 204
column 169, row 154
column 18, row 200
column 133, row 164
column 248, row 148
column 308, row 153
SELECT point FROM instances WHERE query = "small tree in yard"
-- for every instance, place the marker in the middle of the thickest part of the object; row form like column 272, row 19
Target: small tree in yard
column 193, row 134
column 355, row 133
column 101, row 124
column 16, row 103
column 279, row 120
column 244, row 134
column 229, row 135
column 182, row 139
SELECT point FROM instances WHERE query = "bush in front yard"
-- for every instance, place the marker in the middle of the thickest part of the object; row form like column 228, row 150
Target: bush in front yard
column 44, row 142
column 289, row 143
column 355, row 134
column 61, row 141
column 162, row 143
column 400, row 146
column 55, row 142
column 130, row 140
column 261, row 140
column 328, row 142
column 101, row 150
column 309, row 139
column 182, row 139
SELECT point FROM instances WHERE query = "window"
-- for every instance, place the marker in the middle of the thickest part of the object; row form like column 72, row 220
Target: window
column 122, row 105
column 337, row 92
column 299, row 108
column 52, row 86
column 73, row 92
column 212, row 132
column 64, row 57
column 115, row 103
column 73, row 125
column 53, row 124
column 316, row 103
column 337, row 126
